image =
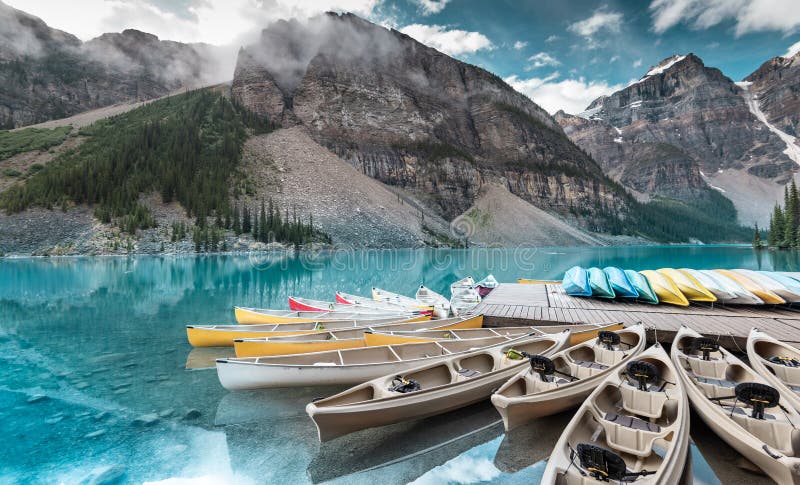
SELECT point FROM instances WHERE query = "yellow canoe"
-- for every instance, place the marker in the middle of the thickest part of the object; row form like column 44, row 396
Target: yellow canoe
column 334, row 339
column 526, row 281
column 224, row 335
column 257, row 316
column 666, row 290
column 579, row 333
column 767, row 296
column 692, row 289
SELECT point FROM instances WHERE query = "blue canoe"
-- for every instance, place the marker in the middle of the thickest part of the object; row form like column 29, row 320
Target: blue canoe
column 638, row 280
column 623, row 288
column 576, row 282
column 791, row 284
column 598, row 280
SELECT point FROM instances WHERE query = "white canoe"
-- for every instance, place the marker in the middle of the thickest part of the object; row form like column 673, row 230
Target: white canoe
column 427, row 390
column 577, row 372
column 718, row 290
column 770, row 284
column 346, row 366
column 777, row 362
column 440, row 304
column 630, row 429
column 396, row 298
column 258, row 316
column 297, row 303
column 464, row 300
column 462, row 284
column 726, row 393
column 743, row 295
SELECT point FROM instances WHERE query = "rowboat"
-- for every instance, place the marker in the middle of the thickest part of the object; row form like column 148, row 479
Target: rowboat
column 646, row 293
column 464, row 300
column 753, row 287
column 528, row 281
column 308, row 305
column 666, row 289
column 440, row 304
column 430, row 389
column 743, row 296
column 463, row 284
column 576, row 372
column 720, row 291
column 689, row 286
column 770, row 284
column 396, row 298
column 576, row 282
column 335, row 339
column 777, row 362
column 258, row 316
column 349, row 299
column 619, row 282
column 579, row 332
column 224, row 335
column 486, row 285
column 739, row 405
column 348, row 366
column 598, row 281
column 634, row 427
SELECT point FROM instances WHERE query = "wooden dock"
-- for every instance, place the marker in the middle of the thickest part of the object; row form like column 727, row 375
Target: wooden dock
column 514, row 304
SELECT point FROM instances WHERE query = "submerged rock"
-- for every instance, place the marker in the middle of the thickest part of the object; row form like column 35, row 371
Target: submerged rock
column 105, row 475
column 166, row 413
column 192, row 414
column 82, row 385
column 146, row 420
column 36, row 398
column 95, row 434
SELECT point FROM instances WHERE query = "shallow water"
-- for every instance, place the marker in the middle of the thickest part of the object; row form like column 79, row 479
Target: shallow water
column 94, row 385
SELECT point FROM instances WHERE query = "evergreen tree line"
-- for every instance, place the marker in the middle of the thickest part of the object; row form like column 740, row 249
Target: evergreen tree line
column 267, row 225
column 784, row 225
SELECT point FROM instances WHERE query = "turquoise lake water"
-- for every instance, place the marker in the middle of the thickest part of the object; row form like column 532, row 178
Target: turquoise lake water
column 94, row 385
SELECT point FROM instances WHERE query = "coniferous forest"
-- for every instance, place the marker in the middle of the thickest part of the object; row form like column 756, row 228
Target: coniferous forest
column 784, row 225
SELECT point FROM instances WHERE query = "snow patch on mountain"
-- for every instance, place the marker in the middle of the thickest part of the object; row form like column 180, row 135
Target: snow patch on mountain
column 792, row 150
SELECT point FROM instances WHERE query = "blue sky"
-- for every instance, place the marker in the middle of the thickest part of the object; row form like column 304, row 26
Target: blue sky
column 562, row 53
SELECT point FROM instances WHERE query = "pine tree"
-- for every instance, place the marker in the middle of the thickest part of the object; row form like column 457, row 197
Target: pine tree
column 789, row 219
column 246, row 222
column 237, row 223
column 756, row 238
column 255, row 230
column 263, row 229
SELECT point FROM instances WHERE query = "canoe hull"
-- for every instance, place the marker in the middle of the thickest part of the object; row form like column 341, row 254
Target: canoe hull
column 620, row 283
column 758, row 344
column 646, row 293
column 247, row 316
column 666, row 289
column 598, row 281
column 576, row 282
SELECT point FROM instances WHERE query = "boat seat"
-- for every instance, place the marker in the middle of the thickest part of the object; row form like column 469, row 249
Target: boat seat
column 746, row 412
column 468, row 372
column 633, row 422
column 715, row 382
column 591, row 365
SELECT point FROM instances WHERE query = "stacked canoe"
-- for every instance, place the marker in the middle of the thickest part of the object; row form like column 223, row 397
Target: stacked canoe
column 684, row 286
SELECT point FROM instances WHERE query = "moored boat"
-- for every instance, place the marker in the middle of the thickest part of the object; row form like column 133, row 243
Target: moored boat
column 688, row 285
column 297, row 303
column 336, row 339
column 777, row 362
column 753, row 287
column 486, row 285
column 572, row 374
column 427, row 390
column 396, row 298
column 259, row 316
column 646, row 293
column 576, row 282
column 620, row 283
column 440, row 304
column 634, row 427
column 666, row 289
column 598, row 281
column 739, row 405
column 464, row 300
column 771, row 284
column 463, row 284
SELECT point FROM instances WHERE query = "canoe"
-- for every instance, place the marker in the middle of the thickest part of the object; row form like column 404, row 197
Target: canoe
column 579, row 333
column 224, row 335
column 577, row 371
column 689, row 286
column 666, row 289
column 743, row 296
column 787, row 281
column 739, row 405
column 464, row 300
column 308, row 305
column 528, row 281
column 576, row 282
column 396, row 298
column 770, row 284
column 646, row 293
column 722, row 294
column 335, row 339
column 440, row 304
column 777, row 362
column 350, row 299
column 463, row 284
column 486, row 285
column 629, row 429
column 619, row 282
column 430, row 389
column 765, row 295
column 598, row 281
column 348, row 366
column 258, row 316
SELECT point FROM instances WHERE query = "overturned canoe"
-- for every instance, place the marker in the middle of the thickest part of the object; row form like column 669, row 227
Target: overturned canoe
column 486, row 285
column 789, row 282
column 777, row 362
column 336, row 339
column 440, row 304
column 689, row 286
column 258, row 316
column 753, row 287
column 771, row 284
column 739, row 405
column 430, row 389
column 224, row 335
column 576, row 372
column 620, row 283
column 646, row 293
column 634, row 427
column 579, row 333
column 743, row 296
column 598, row 281
column 666, row 289
column 720, row 291
column 576, row 282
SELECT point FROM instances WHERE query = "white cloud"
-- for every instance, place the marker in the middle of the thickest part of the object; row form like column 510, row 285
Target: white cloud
column 748, row 15
column 519, row 45
column 570, row 95
column 637, row 63
column 602, row 19
column 204, row 21
column 614, row 58
column 429, row 7
column 452, row 42
column 552, row 38
column 542, row 59
column 792, row 50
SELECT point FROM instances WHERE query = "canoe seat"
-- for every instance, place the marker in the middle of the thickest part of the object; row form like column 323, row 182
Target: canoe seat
column 633, row 423
column 591, row 365
column 468, row 372
column 746, row 412
column 715, row 382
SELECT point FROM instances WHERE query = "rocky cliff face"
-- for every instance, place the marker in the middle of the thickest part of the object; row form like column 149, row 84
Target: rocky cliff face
column 777, row 87
column 413, row 117
column 46, row 73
